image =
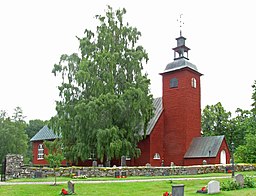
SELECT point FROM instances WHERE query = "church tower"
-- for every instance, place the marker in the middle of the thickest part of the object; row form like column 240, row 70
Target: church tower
column 181, row 104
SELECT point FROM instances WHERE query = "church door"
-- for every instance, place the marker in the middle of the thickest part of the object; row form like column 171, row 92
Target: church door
column 223, row 157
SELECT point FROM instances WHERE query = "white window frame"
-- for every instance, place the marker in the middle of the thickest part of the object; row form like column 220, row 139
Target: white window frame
column 40, row 152
column 193, row 82
column 156, row 156
column 127, row 158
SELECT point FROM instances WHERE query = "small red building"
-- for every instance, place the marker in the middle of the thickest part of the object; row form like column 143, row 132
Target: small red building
column 173, row 135
column 38, row 148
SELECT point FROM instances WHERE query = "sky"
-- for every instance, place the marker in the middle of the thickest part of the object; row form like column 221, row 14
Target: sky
column 34, row 34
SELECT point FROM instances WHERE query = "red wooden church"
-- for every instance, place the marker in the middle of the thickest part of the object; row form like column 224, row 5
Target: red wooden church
column 174, row 132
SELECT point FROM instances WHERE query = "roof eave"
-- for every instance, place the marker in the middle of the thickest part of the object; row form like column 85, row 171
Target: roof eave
column 179, row 68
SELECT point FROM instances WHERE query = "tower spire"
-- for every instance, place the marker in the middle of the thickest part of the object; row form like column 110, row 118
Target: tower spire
column 181, row 23
column 181, row 48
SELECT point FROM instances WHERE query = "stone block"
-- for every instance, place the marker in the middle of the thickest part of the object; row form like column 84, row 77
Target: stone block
column 71, row 187
column 240, row 179
column 38, row 174
column 123, row 161
column 213, row 187
column 94, row 163
column 178, row 190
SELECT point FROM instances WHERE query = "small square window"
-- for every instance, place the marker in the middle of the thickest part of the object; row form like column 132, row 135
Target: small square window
column 174, row 83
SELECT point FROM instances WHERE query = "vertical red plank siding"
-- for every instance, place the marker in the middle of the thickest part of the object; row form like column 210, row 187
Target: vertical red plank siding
column 35, row 152
column 156, row 142
column 36, row 161
column 182, row 114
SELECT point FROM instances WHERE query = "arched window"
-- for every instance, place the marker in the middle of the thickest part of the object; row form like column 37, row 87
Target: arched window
column 156, row 156
column 174, row 83
column 40, row 152
column 223, row 159
column 193, row 82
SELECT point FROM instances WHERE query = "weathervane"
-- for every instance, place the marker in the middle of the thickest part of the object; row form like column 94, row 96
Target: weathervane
column 181, row 23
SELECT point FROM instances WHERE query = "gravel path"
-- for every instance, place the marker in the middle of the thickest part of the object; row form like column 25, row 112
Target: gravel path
column 115, row 181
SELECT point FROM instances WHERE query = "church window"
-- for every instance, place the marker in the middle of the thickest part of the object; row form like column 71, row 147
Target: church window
column 92, row 156
column 174, row 83
column 128, row 158
column 156, row 156
column 40, row 153
column 193, row 82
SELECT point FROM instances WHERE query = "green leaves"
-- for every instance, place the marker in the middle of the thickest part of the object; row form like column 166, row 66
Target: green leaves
column 215, row 120
column 55, row 156
column 254, row 99
column 105, row 99
column 13, row 138
column 247, row 153
column 241, row 129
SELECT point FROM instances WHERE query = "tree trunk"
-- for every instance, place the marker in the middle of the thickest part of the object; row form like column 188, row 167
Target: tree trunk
column 54, row 172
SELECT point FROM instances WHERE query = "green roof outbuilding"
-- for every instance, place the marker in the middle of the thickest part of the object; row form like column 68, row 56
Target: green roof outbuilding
column 44, row 134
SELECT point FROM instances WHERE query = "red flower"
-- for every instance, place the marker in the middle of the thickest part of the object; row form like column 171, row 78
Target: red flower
column 64, row 191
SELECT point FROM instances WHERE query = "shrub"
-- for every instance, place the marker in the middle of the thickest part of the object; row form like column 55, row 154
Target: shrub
column 249, row 182
column 230, row 185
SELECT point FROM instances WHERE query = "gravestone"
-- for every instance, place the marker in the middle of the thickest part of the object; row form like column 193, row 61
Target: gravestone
column 123, row 174
column 107, row 164
column 117, row 174
column 213, row 187
column 192, row 171
column 178, row 190
column 123, row 161
column 38, row 174
column 71, row 187
column 148, row 165
column 240, row 179
column 94, row 163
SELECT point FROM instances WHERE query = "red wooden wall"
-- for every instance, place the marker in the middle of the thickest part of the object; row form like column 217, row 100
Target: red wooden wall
column 182, row 114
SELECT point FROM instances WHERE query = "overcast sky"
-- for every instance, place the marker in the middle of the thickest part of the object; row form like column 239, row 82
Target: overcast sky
column 34, row 34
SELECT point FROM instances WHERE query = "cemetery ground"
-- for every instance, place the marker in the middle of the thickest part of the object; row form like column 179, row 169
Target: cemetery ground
column 113, row 186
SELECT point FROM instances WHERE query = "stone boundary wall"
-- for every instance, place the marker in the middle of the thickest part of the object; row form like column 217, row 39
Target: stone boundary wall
column 32, row 172
column 16, row 169
column 14, row 165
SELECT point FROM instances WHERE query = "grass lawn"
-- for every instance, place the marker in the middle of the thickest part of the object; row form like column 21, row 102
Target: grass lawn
column 120, row 188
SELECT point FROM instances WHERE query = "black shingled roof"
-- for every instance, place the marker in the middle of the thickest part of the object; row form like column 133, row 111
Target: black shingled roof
column 158, row 108
column 179, row 64
column 204, row 147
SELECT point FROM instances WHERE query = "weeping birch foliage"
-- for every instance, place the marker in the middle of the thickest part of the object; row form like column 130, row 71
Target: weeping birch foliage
column 105, row 102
